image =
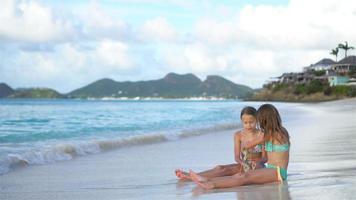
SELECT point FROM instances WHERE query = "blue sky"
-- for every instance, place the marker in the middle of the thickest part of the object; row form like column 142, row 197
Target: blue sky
column 65, row 45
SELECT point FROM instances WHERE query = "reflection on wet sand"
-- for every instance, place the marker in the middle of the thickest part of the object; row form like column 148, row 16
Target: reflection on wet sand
column 273, row 191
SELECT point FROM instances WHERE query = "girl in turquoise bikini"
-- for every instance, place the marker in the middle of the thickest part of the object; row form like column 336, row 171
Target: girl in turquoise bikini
column 276, row 140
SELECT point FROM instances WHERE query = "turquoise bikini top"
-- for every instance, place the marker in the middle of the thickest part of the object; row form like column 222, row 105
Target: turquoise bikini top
column 270, row 147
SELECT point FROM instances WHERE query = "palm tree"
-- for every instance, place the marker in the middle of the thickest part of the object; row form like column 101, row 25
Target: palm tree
column 345, row 47
column 335, row 52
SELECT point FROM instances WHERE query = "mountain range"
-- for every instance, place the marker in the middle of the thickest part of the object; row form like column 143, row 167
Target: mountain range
column 171, row 86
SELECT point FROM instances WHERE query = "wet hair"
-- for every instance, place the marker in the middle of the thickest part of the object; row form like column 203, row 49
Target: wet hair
column 248, row 110
column 270, row 123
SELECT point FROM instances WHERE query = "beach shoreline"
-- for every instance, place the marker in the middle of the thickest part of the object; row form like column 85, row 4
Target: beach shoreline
column 320, row 164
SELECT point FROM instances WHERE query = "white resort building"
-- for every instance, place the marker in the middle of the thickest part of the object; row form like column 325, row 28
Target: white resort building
column 326, row 71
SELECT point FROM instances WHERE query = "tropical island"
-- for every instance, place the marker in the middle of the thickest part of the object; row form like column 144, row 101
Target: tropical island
column 172, row 86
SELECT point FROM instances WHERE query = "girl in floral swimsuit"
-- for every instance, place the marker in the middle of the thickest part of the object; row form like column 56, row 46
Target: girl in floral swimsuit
column 246, row 158
column 249, row 158
column 252, row 158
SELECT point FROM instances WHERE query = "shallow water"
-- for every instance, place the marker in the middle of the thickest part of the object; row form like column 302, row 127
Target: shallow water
column 36, row 132
column 45, row 131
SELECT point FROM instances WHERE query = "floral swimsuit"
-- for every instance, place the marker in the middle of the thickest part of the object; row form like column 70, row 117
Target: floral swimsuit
column 247, row 163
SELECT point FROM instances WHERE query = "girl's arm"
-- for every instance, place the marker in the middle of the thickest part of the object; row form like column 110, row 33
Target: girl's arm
column 237, row 147
column 258, row 140
column 264, row 156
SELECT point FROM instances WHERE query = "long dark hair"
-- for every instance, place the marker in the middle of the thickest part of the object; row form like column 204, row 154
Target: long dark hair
column 270, row 123
column 248, row 110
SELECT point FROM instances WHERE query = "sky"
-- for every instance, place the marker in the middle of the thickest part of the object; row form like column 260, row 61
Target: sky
column 65, row 45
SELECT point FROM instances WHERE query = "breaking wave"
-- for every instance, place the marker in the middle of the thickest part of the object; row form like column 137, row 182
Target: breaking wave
column 70, row 150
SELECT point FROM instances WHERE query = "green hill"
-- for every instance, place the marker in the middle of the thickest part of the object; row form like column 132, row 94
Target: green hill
column 44, row 93
column 5, row 90
column 219, row 86
column 171, row 86
column 314, row 91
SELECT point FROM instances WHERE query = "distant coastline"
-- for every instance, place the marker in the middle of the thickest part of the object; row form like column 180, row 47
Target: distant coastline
column 161, row 99
column 172, row 86
column 325, row 80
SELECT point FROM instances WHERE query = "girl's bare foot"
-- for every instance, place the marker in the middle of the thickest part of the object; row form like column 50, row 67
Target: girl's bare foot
column 182, row 174
column 196, row 177
column 201, row 181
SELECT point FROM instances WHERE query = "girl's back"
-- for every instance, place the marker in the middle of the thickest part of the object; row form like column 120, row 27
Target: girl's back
column 278, row 149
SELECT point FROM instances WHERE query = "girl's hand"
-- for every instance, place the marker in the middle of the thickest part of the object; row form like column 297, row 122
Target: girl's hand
column 239, row 161
column 253, row 165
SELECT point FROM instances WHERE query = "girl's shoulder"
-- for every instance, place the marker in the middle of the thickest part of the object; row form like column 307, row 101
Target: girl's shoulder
column 238, row 134
column 281, row 137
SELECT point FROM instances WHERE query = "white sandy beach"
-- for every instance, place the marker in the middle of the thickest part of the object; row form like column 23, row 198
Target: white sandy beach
column 322, row 165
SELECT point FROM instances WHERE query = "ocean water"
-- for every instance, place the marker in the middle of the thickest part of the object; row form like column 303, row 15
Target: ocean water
column 46, row 131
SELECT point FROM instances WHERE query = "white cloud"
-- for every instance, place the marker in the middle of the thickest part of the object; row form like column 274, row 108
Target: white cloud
column 114, row 54
column 270, row 40
column 30, row 21
column 65, row 68
column 248, row 44
column 158, row 30
column 98, row 24
column 73, row 58
column 173, row 2
column 300, row 25
column 198, row 58
column 211, row 31
column 34, row 68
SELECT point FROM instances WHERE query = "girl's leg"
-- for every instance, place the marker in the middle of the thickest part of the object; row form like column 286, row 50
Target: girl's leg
column 258, row 176
column 220, row 170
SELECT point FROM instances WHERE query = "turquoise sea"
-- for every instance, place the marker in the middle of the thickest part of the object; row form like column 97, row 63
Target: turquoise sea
column 46, row 131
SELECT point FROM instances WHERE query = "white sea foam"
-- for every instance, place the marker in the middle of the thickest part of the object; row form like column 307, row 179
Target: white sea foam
column 70, row 150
